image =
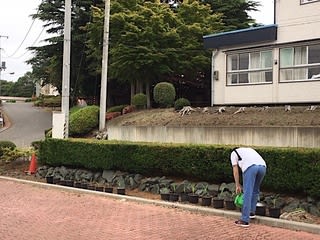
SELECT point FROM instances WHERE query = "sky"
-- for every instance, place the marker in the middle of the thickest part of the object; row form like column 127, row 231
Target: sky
column 18, row 31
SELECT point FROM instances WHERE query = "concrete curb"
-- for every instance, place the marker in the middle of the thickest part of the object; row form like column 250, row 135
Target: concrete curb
column 273, row 222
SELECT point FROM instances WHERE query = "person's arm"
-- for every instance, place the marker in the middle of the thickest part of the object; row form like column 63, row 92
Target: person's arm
column 236, row 178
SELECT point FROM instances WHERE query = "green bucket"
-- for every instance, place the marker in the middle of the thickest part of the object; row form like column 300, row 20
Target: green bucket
column 238, row 201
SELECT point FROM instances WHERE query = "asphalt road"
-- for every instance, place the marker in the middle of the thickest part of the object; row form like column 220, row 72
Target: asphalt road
column 27, row 123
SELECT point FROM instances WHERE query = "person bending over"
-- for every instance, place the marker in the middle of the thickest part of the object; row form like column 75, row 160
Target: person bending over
column 253, row 168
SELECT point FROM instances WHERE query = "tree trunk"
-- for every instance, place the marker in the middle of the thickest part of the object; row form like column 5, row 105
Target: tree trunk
column 148, row 95
column 139, row 86
column 132, row 90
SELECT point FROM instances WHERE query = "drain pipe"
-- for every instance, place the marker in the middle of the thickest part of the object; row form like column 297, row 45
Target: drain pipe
column 213, row 77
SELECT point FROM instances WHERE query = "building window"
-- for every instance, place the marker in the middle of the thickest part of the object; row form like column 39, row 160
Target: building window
column 300, row 63
column 308, row 1
column 249, row 68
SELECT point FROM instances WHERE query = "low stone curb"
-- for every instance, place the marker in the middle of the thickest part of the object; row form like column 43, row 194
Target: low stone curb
column 274, row 222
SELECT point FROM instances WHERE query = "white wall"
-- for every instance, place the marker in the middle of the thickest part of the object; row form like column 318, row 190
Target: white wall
column 299, row 92
column 297, row 22
column 218, row 86
column 250, row 136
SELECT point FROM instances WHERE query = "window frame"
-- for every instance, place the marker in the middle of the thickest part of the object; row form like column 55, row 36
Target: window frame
column 236, row 77
column 296, row 69
column 302, row 2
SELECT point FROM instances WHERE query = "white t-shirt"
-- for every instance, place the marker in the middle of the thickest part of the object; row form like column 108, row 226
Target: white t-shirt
column 249, row 157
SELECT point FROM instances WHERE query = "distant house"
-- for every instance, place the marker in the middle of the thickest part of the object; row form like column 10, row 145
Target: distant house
column 47, row 90
column 273, row 64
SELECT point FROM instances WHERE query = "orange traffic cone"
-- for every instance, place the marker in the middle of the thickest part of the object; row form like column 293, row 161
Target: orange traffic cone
column 33, row 165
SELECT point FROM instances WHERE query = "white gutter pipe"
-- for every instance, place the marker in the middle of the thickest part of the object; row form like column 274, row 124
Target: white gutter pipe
column 214, row 53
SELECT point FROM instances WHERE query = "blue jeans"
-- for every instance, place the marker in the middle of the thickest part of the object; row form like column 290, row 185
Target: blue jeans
column 252, row 179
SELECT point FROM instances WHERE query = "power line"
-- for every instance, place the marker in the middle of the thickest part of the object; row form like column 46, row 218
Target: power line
column 22, row 40
column 34, row 42
column 25, row 37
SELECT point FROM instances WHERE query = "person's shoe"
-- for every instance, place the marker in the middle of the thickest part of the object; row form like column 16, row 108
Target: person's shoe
column 252, row 216
column 241, row 223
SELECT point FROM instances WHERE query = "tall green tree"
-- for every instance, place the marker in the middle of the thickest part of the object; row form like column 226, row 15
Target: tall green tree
column 5, row 87
column 23, row 87
column 235, row 12
column 149, row 42
column 47, row 60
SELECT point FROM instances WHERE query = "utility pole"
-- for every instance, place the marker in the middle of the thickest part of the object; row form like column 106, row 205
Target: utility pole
column 66, row 67
column 2, row 64
column 104, row 70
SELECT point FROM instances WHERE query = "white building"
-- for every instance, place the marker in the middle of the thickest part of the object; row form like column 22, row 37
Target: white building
column 46, row 90
column 273, row 64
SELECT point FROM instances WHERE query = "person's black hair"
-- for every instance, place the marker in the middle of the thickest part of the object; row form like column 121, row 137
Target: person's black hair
column 235, row 150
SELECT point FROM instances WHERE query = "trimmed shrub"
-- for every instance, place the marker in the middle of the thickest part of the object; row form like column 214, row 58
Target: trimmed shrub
column 74, row 109
column 290, row 170
column 164, row 94
column 180, row 103
column 6, row 144
column 84, row 120
column 116, row 108
column 48, row 101
column 139, row 100
column 52, row 102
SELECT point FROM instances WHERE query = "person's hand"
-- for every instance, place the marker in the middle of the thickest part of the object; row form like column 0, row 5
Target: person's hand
column 238, row 189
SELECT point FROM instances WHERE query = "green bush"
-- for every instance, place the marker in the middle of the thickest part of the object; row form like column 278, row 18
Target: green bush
column 48, row 101
column 139, row 100
column 74, row 109
column 116, row 108
column 180, row 103
column 6, row 144
column 52, row 102
column 164, row 94
column 10, row 155
column 83, row 121
column 289, row 170
column 38, row 103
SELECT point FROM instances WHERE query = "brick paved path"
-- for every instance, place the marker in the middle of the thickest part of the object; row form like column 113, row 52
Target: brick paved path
column 31, row 212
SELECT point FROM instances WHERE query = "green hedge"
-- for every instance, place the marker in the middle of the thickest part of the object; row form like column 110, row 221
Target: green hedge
column 289, row 170
column 48, row 101
column 118, row 108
